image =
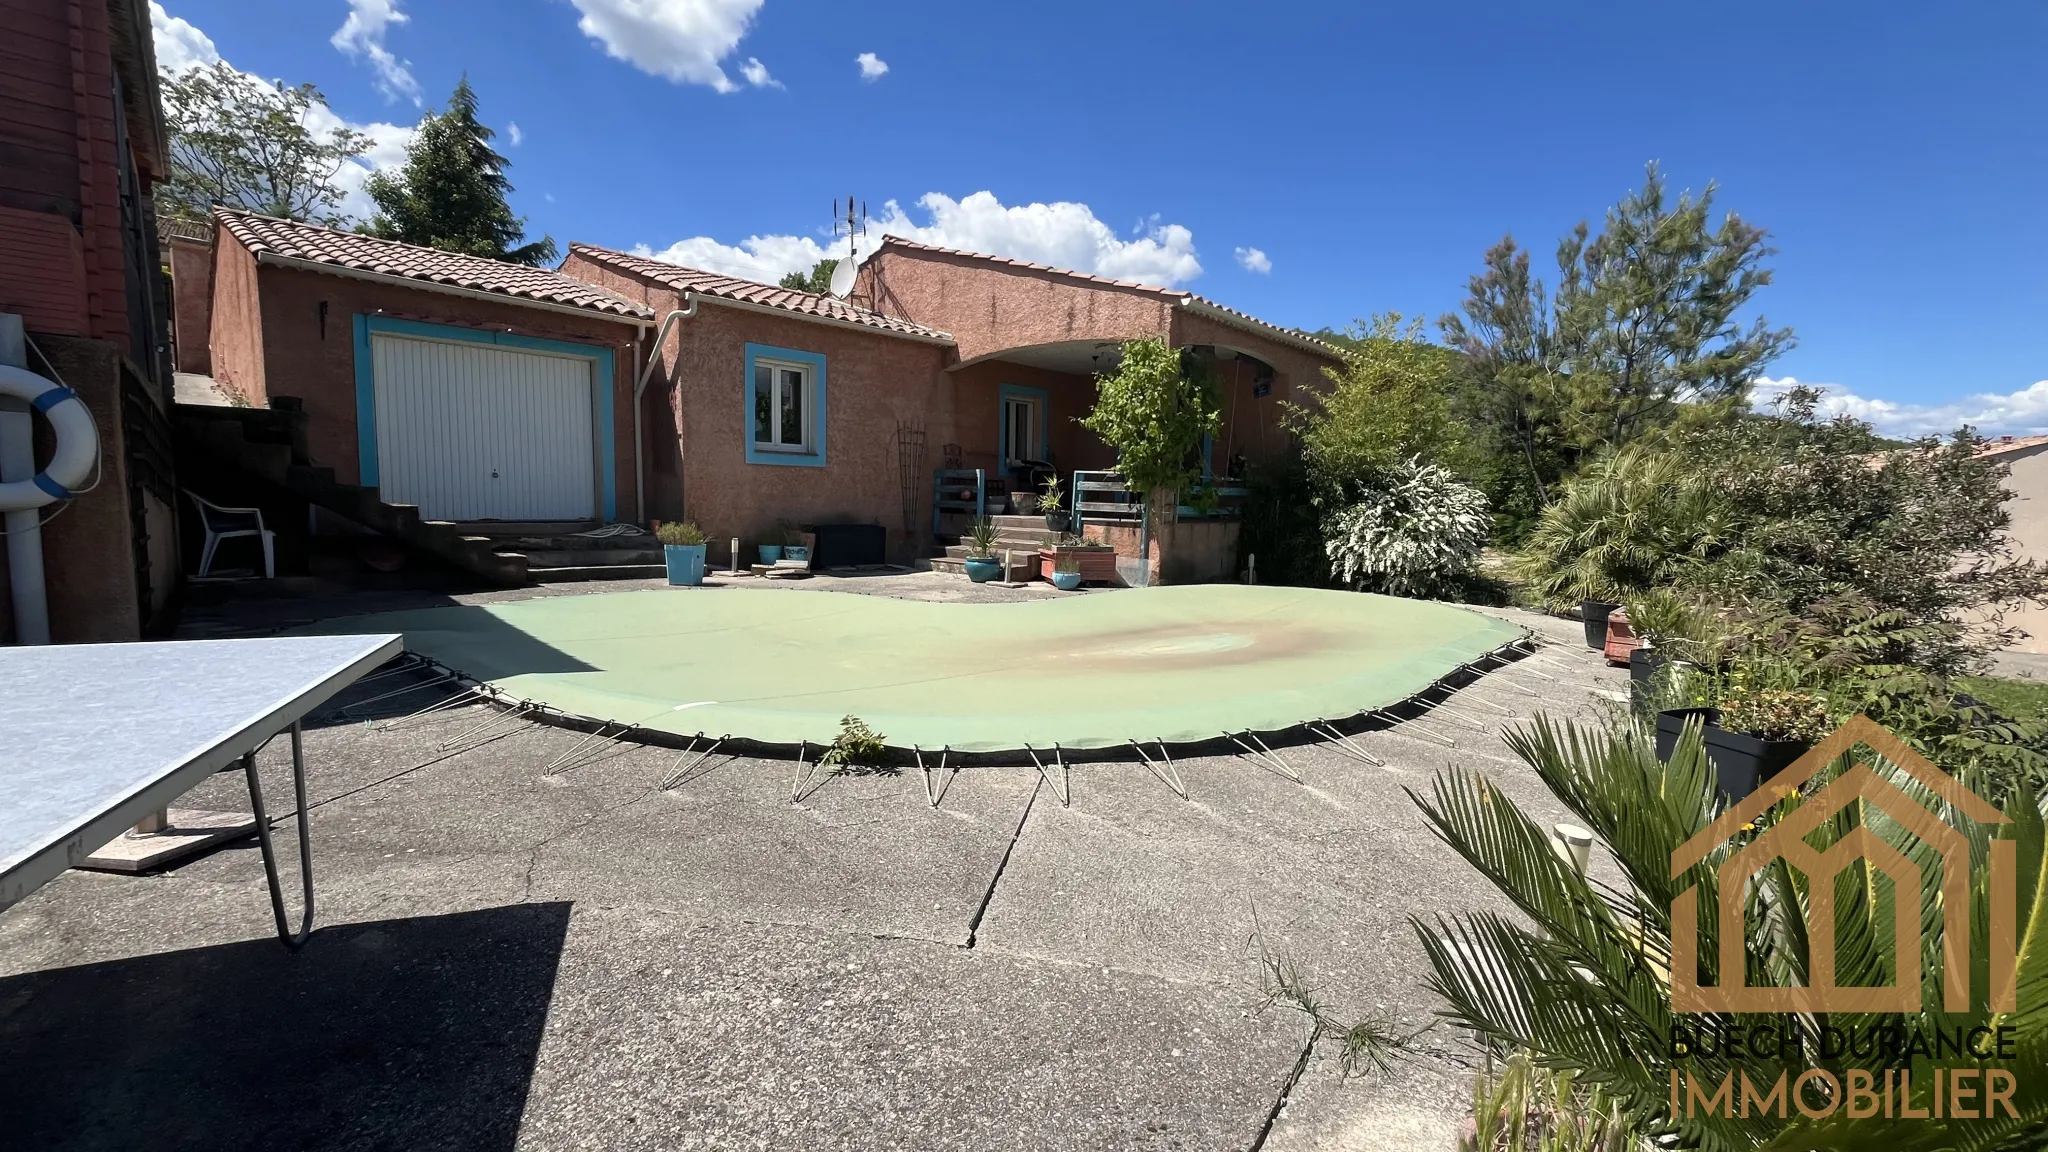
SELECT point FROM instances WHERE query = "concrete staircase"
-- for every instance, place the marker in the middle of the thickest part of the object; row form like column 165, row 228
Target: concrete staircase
column 269, row 444
column 1022, row 536
column 559, row 553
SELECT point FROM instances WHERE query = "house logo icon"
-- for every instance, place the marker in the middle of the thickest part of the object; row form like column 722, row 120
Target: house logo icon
column 1787, row 839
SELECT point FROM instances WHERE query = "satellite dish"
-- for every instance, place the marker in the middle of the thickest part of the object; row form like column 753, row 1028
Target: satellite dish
column 842, row 278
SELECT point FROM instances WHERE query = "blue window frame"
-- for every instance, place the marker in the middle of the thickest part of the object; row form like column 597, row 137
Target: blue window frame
column 367, row 325
column 784, row 416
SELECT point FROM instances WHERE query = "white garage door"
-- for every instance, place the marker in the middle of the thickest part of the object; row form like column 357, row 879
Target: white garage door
column 478, row 432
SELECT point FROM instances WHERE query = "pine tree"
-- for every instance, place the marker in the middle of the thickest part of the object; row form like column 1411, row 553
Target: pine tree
column 451, row 192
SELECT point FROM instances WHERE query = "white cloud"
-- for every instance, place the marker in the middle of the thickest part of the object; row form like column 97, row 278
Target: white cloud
column 2020, row 413
column 180, row 46
column 514, row 134
column 872, row 67
column 757, row 74
column 681, row 40
column 1254, row 260
column 1062, row 234
column 362, row 35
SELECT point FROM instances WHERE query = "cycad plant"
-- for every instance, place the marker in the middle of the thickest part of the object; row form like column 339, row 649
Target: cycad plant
column 1582, row 978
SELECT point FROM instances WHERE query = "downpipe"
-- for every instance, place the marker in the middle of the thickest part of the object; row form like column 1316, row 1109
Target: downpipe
column 640, row 387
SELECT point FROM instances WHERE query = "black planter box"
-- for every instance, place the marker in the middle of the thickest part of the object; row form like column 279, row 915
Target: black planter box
column 1741, row 761
column 1595, row 614
column 850, row 545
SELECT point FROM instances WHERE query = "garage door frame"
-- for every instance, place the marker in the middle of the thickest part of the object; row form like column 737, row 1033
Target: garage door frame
column 603, row 429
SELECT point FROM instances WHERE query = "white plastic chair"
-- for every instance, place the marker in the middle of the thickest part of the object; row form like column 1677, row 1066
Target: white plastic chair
column 226, row 524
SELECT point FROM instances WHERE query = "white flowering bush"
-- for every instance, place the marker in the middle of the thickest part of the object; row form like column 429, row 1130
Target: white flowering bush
column 1415, row 534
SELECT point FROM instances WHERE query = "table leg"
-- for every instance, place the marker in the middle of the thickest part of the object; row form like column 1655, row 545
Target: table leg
column 284, row 932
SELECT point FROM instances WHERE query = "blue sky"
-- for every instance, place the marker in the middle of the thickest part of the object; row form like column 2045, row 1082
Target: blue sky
column 1309, row 163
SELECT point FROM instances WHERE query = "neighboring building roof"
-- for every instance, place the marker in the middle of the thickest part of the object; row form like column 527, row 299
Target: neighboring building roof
column 2005, row 444
column 288, row 241
column 1189, row 300
column 751, row 293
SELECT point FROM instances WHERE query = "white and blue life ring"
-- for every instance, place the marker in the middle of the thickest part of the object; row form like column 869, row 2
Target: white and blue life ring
column 78, row 441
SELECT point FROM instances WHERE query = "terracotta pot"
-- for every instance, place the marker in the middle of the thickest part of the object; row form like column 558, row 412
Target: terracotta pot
column 1621, row 639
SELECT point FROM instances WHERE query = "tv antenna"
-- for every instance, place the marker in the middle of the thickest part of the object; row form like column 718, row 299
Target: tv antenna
column 855, row 221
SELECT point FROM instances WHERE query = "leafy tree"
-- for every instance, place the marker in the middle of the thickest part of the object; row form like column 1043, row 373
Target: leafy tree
column 238, row 141
column 1641, row 331
column 451, row 192
column 1154, row 411
column 1390, row 402
column 819, row 282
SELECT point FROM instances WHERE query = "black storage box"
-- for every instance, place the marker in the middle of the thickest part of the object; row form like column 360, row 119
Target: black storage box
column 850, row 545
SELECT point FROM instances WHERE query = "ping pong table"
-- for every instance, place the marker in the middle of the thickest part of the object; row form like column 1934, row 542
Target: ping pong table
column 96, row 737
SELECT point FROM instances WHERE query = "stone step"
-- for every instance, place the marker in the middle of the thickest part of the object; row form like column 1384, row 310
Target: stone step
column 1021, row 570
column 598, row 572
column 542, row 558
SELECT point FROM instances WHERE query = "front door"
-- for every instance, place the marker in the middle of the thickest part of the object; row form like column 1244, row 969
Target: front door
column 1023, row 425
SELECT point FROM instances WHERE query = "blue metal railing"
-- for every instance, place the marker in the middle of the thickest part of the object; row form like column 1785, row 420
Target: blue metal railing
column 959, row 490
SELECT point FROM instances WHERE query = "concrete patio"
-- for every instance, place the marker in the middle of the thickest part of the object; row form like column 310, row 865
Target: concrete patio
column 513, row 957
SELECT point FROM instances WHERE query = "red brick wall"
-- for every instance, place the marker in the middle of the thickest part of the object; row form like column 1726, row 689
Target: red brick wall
column 235, row 323
column 57, row 162
column 318, row 365
column 697, row 398
column 42, row 271
column 192, row 304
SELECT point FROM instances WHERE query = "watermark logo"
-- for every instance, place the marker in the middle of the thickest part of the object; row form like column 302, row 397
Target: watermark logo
column 1787, row 840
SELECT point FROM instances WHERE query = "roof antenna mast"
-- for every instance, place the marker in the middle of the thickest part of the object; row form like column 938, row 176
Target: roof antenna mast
column 844, row 272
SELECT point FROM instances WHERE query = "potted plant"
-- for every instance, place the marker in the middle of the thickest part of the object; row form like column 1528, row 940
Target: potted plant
column 683, row 547
column 1051, row 503
column 1761, row 731
column 981, row 563
column 1095, row 562
column 1023, row 503
column 1066, row 571
column 796, row 544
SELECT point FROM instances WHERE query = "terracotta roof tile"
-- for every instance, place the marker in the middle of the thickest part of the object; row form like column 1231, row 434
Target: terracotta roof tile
column 1242, row 319
column 721, row 287
column 355, row 251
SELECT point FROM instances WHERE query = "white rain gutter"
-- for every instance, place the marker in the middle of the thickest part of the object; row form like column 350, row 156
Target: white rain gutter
column 324, row 268
column 639, row 386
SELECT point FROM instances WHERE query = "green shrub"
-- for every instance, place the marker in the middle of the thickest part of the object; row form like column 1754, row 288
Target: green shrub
column 1643, row 519
column 1419, row 534
column 679, row 532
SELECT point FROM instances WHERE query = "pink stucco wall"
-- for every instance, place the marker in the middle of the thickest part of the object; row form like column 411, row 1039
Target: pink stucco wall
column 989, row 307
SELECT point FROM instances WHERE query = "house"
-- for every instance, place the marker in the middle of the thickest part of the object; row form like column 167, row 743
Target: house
column 2027, row 456
column 82, row 144
column 790, row 406
column 623, row 388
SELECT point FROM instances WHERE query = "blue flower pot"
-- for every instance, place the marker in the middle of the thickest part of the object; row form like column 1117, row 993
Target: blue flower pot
column 685, row 563
column 983, row 571
column 1066, row 581
column 770, row 553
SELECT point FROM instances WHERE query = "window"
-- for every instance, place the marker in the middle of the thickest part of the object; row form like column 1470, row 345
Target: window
column 782, row 403
column 784, row 415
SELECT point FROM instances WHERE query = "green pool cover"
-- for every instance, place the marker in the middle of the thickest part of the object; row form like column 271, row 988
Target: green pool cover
column 1179, row 664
